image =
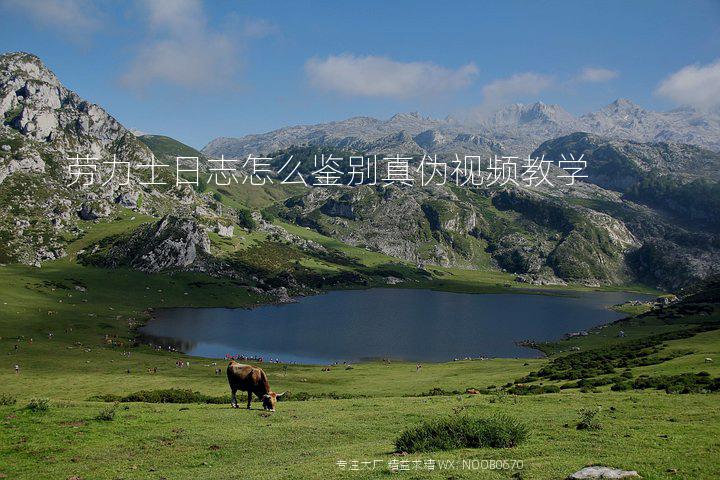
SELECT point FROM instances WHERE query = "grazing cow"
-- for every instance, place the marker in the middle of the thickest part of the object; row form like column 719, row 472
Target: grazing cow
column 251, row 380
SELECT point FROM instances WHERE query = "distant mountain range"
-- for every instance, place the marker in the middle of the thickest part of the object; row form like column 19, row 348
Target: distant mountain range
column 516, row 129
column 647, row 212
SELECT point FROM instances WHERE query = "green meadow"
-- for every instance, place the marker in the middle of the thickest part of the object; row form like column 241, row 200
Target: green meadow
column 341, row 415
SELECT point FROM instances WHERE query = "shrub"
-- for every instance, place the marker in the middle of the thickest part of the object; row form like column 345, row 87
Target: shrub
column 588, row 419
column 462, row 432
column 604, row 361
column 38, row 405
column 106, row 397
column 268, row 216
column 172, row 395
column 301, row 396
column 439, row 392
column 682, row 383
column 175, row 395
column 621, row 387
column 7, row 399
column 245, row 220
column 498, row 396
column 533, row 389
column 107, row 414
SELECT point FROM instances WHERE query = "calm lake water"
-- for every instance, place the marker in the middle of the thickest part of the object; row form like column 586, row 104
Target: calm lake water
column 415, row 325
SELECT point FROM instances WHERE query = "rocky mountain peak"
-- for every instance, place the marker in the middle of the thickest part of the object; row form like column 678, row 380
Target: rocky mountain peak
column 34, row 102
column 623, row 106
column 519, row 114
column 44, row 123
column 429, row 139
column 27, row 65
column 406, row 116
column 542, row 112
column 624, row 103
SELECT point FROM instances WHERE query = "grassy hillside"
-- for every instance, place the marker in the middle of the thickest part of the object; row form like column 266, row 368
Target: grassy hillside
column 163, row 146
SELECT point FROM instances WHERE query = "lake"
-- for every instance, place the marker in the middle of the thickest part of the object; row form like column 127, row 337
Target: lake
column 414, row 325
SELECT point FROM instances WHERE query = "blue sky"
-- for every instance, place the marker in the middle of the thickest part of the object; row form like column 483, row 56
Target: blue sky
column 196, row 70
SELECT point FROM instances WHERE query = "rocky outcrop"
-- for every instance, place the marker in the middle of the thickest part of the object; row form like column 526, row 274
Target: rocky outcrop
column 173, row 243
column 338, row 208
column 94, row 211
column 31, row 163
column 128, row 199
column 44, row 124
column 620, row 164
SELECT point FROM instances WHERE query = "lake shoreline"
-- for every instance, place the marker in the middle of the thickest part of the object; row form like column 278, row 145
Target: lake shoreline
column 311, row 308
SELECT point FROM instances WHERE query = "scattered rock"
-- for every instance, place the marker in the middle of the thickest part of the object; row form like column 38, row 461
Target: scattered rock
column 225, row 230
column 603, row 472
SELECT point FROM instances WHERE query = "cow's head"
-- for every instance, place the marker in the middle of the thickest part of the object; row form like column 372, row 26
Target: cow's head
column 270, row 400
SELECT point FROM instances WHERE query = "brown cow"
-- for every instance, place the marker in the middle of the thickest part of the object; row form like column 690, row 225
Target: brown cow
column 251, row 380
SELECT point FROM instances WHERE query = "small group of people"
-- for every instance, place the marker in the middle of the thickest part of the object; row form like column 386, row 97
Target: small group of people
column 251, row 358
column 456, row 359
column 182, row 364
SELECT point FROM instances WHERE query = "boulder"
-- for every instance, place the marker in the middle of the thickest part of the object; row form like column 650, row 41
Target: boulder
column 128, row 199
column 603, row 472
column 93, row 212
column 225, row 230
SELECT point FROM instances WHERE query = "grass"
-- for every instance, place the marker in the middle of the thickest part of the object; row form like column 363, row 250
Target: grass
column 349, row 415
column 306, row 439
column 462, row 431
column 302, row 439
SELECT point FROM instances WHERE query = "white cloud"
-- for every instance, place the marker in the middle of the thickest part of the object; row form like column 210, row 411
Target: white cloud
column 183, row 49
column 591, row 74
column 175, row 16
column 695, row 85
column 520, row 84
column 258, row 28
column 372, row 76
column 74, row 19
